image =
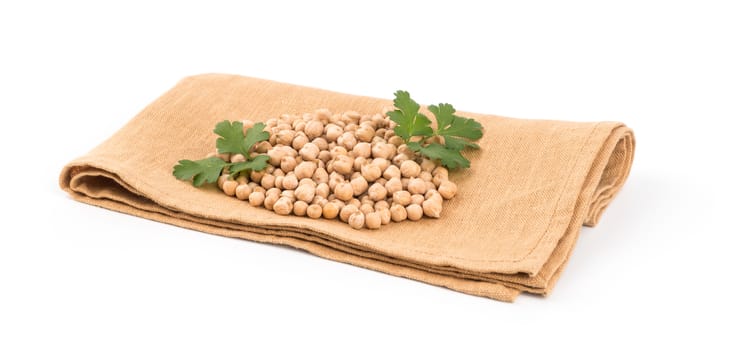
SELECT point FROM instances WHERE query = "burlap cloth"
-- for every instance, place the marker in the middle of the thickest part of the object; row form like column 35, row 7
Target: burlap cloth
column 511, row 227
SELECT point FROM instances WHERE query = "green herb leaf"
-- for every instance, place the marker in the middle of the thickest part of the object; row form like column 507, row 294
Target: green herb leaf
column 258, row 162
column 231, row 138
column 254, row 135
column 201, row 171
column 455, row 130
column 450, row 158
column 407, row 117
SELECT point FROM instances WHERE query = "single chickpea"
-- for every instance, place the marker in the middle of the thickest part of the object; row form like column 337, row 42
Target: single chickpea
column 432, row 207
column 384, row 215
column 343, row 164
column 416, row 186
column 343, row 191
column 321, row 143
column 332, row 132
column 428, row 165
column 320, row 176
column 270, row 200
column 235, row 158
column 402, row 197
column 304, row 170
column 273, row 191
column 400, row 158
column 383, row 150
column 426, row 176
column 382, row 204
column 299, row 208
column 398, row 213
column 285, row 136
column 382, row 163
column 263, row 147
column 395, row 140
column 367, row 208
column 347, row 140
column 221, row 180
column 347, row 211
column 283, row 206
column 314, row 211
column 314, row 129
column 290, row 181
column 373, row 221
column 242, row 192
column 377, row 192
column 370, row 172
column 409, row 168
column 288, row 163
column 414, row 212
column 309, row 151
column 365, row 134
column 299, row 141
column 322, row 190
column 358, row 163
column 325, row 156
column 447, row 189
column 305, row 192
column 229, row 187
column 330, row 210
column 362, row 149
column 357, row 220
column 268, row 181
column 391, row 172
column 359, row 185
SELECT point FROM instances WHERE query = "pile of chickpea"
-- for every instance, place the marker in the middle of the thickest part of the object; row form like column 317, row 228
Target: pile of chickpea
column 341, row 165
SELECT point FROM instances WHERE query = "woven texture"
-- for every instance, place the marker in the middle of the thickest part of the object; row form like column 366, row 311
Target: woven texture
column 511, row 227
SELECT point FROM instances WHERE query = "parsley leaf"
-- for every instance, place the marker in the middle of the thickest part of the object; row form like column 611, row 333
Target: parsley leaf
column 201, row 171
column 231, row 140
column 457, row 132
column 449, row 157
column 407, row 117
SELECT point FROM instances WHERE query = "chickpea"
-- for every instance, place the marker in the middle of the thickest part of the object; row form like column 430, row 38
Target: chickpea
column 391, row 172
column 383, row 150
column 221, row 180
column 370, row 172
column 447, row 189
column 409, row 168
column 323, row 114
column 402, row 197
column 432, row 207
column 384, row 215
column 223, row 156
column 354, row 201
column 273, row 191
column 283, row 206
column 256, row 198
column 417, row 199
column 382, row 204
column 321, row 143
column 314, row 129
column 416, row 186
column 347, row 140
column 309, row 151
column 367, row 208
column 235, row 158
column 395, row 140
column 428, row 165
column 268, row 181
column 229, row 186
column 263, row 147
column 359, row 185
column 362, row 149
column 377, row 192
column 325, row 156
column 393, row 185
column 320, row 175
column 357, row 220
column 242, row 192
column 358, row 163
column 299, row 141
column 330, row 210
column 290, row 181
column 398, row 213
column 270, row 200
column 322, row 190
column 288, row 163
column 347, row 211
column 373, row 221
column 382, row 163
column 343, row 164
column 305, row 170
column 426, row 176
column 299, row 208
column 305, row 192
column 332, row 132
column 279, row 181
column 414, row 212
column 365, row 134
column 314, row 211
column 400, row 158
column 343, row 191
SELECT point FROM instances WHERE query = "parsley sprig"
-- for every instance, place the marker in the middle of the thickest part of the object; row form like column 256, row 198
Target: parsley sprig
column 232, row 140
column 416, row 131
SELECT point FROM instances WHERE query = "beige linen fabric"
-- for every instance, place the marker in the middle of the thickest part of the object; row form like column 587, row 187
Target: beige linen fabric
column 511, row 228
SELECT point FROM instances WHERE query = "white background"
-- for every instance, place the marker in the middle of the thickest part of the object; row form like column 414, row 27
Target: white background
column 657, row 271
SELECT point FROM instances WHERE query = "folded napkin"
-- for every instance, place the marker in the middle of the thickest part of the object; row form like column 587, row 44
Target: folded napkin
column 511, row 227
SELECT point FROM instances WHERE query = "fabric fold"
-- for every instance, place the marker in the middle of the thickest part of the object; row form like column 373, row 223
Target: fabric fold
column 511, row 228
